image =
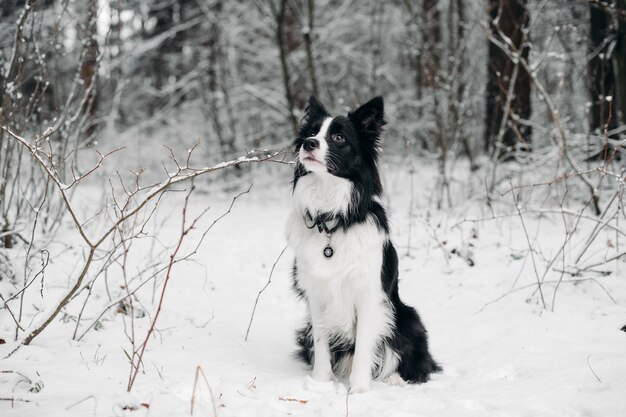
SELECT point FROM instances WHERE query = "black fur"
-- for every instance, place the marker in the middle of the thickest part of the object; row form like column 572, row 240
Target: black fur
column 356, row 160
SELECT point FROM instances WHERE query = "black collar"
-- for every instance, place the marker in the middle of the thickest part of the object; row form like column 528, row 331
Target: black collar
column 324, row 222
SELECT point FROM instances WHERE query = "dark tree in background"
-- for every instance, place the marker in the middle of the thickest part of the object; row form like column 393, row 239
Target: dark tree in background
column 8, row 10
column 170, row 24
column 457, row 46
column 508, row 84
column 601, row 72
column 89, row 69
column 162, row 14
column 308, row 41
column 431, row 33
column 286, row 42
column 431, row 63
column 620, row 57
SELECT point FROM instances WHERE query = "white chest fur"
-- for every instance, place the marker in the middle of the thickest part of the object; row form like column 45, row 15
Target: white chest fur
column 338, row 284
column 322, row 193
column 357, row 251
column 335, row 285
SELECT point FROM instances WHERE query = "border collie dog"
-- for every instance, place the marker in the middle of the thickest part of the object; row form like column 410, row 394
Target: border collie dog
column 346, row 268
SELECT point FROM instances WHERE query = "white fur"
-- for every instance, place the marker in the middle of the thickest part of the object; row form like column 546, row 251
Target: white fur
column 319, row 153
column 388, row 361
column 395, row 379
column 322, row 193
column 344, row 292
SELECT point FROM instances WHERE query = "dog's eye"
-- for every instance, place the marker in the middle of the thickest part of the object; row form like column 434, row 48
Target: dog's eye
column 338, row 137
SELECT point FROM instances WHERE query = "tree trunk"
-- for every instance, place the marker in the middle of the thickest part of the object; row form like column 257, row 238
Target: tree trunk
column 163, row 13
column 89, row 71
column 600, row 72
column 508, row 20
column 378, row 10
column 283, row 45
column 308, row 41
column 415, row 55
column 431, row 65
column 459, row 106
column 620, row 60
column 431, row 59
column 216, row 94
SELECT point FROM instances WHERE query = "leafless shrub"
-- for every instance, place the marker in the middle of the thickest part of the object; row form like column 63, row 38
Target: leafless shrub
column 128, row 200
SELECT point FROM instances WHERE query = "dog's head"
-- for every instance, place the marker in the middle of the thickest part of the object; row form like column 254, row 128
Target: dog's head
column 344, row 146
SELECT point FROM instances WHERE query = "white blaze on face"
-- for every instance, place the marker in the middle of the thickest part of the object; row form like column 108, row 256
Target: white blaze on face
column 315, row 160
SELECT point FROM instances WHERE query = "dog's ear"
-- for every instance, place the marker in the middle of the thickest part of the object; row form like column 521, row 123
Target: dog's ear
column 370, row 117
column 315, row 106
column 314, row 110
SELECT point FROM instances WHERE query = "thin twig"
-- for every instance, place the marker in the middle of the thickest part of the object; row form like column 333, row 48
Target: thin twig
column 592, row 371
column 91, row 397
column 446, row 253
column 44, row 264
column 199, row 372
column 267, row 284
column 516, row 202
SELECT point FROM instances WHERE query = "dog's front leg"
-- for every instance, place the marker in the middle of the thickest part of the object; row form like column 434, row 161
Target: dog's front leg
column 368, row 329
column 322, row 370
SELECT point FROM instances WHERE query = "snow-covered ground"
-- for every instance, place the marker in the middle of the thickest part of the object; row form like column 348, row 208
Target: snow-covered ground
column 503, row 354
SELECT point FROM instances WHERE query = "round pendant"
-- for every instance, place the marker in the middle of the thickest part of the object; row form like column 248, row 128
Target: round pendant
column 328, row 251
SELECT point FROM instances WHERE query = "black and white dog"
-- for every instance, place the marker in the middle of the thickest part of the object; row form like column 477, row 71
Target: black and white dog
column 346, row 268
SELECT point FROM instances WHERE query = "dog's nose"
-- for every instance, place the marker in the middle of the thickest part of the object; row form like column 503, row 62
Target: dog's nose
column 310, row 144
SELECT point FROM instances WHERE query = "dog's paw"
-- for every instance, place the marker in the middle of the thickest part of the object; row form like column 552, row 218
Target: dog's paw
column 359, row 384
column 359, row 388
column 396, row 380
column 311, row 384
column 360, row 379
column 322, row 375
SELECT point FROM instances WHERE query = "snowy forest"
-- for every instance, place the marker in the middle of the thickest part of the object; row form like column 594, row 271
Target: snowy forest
column 146, row 175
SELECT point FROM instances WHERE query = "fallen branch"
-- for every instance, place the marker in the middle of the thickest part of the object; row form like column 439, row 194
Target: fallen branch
column 91, row 397
column 293, row 400
column 14, row 400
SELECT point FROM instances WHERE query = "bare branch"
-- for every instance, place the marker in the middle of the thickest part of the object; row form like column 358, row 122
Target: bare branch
column 267, row 284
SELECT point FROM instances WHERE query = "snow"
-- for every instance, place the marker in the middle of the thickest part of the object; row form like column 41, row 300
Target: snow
column 502, row 353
